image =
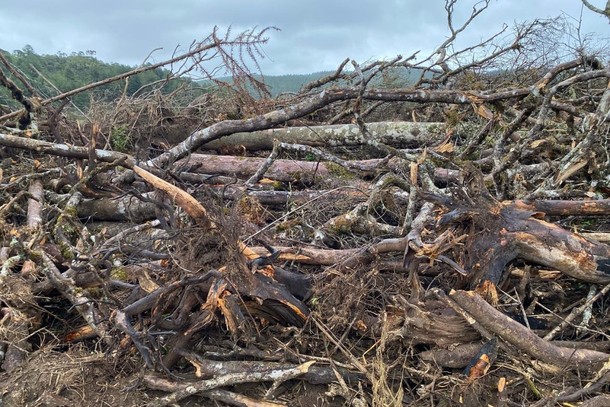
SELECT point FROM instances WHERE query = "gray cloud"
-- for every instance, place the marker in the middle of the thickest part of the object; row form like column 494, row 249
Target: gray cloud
column 315, row 35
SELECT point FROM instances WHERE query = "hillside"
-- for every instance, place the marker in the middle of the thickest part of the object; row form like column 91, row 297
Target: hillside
column 53, row 74
column 278, row 84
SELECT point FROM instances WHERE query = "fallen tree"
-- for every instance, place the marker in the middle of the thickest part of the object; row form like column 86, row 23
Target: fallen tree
column 220, row 270
column 396, row 134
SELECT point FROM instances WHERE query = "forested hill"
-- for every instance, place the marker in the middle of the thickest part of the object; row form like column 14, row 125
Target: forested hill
column 53, row 74
column 66, row 72
column 278, row 84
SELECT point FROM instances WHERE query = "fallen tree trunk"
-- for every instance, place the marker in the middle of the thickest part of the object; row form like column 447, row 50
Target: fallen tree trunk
column 128, row 208
column 242, row 167
column 522, row 337
column 292, row 170
column 396, row 134
column 591, row 207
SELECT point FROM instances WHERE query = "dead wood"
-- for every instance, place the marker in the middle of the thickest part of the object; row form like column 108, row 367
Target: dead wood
column 349, row 273
column 120, row 209
column 503, row 232
column 457, row 357
column 597, row 207
column 523, row 338
column 180, row 391
column 35, row 204
column 281, row 170
column 286, row 170
column 206, row 368
column 313, row 103
column 396, row 134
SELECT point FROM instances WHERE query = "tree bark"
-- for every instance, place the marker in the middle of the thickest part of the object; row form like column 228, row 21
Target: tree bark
column 396, row 134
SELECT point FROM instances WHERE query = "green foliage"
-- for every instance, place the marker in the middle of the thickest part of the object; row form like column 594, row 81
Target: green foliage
column 310, row 157
column 279, row 84
column 120, row 139
column 291, row 83
column 67, row 72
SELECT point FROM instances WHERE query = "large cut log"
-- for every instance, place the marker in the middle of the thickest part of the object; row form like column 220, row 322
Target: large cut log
column 281, row 170
column 396, row 134
column 290, row 170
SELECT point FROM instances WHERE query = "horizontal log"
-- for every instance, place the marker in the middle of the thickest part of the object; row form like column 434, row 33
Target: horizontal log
column 396, row 134
column 290, row 170
column 599, row 207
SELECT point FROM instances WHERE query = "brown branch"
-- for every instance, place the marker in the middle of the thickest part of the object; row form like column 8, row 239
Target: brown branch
column 523, row 338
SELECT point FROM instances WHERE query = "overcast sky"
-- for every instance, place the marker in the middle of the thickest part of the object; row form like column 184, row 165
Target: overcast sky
column 315, row 35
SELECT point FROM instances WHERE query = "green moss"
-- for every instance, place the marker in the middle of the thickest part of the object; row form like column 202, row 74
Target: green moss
column 310, row 157
column 287, row 225
column 71, row 211
column 338, row 171
column 119, row 273
column 66, row 251
column 35, row 256
column 340, row 225
column 67, row 229
column 95, row 292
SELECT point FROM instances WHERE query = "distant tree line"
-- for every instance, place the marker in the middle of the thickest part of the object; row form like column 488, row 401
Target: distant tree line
column 290, row 83
column 53, row 74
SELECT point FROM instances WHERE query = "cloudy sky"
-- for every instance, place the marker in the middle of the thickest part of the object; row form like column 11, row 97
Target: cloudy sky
column 315, row 34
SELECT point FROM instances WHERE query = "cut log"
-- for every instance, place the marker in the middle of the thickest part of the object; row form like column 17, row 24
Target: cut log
column 600, row 207
column 281, row 170
column 396, row 134
column 128, row 208
column 291, row 170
